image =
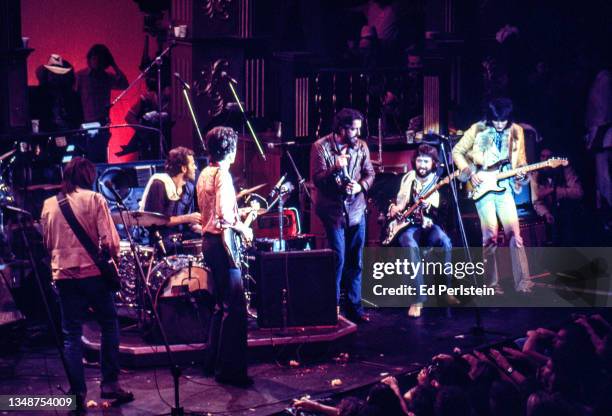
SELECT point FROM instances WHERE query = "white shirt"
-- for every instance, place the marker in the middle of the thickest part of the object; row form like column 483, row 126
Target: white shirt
column 216, row 199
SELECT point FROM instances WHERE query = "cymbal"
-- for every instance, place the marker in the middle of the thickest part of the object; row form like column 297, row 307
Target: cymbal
column 7, row 154
column 44, row 187
column 250, row 190
column 140, row 218
column 16, row 210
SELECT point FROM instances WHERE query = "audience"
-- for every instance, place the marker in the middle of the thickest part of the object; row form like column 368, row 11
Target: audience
column 566, row 372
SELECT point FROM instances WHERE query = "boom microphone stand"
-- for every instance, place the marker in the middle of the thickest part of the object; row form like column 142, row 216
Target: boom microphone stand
column 186, row 94
column 175, row 370
column 157, row 63
column 230, row 83
column 301, row 181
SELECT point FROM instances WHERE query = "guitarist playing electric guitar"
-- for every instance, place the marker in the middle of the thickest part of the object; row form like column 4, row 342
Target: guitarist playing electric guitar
column 421, row 229
column 485, row 144
column 226, row 356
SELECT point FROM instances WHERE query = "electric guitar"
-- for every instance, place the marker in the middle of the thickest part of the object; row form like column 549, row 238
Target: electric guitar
column 491, row 177
column 236, row 243
column 406, row 217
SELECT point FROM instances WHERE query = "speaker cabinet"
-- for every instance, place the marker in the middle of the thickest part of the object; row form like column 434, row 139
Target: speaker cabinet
column 296, row 289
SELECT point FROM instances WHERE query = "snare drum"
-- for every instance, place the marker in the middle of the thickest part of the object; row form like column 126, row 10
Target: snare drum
column 178, row 275
column 193, row 247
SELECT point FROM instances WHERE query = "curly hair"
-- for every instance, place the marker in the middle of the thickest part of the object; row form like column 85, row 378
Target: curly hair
column 177, row 158
column 220, row 142
column 344, row 119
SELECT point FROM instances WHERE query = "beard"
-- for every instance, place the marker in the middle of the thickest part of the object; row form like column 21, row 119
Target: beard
column 422, row 173
column 351, row 141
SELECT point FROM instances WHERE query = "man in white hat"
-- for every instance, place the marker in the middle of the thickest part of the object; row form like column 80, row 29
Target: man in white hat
column 58, row 106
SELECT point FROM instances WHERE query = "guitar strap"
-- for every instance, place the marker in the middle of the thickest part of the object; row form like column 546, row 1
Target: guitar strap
column 426, row 188
column 77, row 228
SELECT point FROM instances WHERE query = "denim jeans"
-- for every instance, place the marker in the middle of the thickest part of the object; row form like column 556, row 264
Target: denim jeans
column 76, row 296
column 489, row 208
column 347, row 243
column 414, row 237
column 227, row 345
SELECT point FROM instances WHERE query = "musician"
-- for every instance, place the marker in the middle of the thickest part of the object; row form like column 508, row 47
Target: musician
column 488, row 143
column 424, row 231
column 343, row 173
column 78, row 280
column 226, row 356
column 556, row 195
column 173, row 194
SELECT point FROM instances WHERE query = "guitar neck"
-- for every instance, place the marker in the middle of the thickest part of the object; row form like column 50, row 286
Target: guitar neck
column 524, row 169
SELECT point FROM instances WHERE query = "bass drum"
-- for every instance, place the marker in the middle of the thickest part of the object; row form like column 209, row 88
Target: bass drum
column 180, row 275
column 184, row 299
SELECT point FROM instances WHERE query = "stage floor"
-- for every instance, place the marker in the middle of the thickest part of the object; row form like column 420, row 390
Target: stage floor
column 391, row 344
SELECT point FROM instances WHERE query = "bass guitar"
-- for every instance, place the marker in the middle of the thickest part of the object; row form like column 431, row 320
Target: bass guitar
column 406, row 217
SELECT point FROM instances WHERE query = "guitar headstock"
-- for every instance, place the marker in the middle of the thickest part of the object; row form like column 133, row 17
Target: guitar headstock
column 555, row 162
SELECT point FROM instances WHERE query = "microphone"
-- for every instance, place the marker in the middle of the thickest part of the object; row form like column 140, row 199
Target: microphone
column 277, row 187
column 284, row 144
column 227, row 76
column 183, row 83
column 286, row 188
column 160, row 243
column 109, row 185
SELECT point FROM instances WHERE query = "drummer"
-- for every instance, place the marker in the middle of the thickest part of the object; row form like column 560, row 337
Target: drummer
column 173, row 194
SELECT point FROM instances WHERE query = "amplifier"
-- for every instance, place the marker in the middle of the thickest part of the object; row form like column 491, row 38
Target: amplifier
column 300, row 242
column 266, row 225
column 296, row 288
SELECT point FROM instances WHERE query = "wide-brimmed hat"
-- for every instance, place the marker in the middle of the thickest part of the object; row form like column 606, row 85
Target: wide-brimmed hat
column 57, row 65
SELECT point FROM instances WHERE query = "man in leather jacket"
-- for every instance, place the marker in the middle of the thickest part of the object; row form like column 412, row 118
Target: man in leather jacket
column 342, row 174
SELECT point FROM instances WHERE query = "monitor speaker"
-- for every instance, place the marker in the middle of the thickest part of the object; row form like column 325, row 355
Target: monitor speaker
column 296, row 289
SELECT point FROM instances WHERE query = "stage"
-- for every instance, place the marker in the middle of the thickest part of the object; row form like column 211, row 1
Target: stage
column 391, row 344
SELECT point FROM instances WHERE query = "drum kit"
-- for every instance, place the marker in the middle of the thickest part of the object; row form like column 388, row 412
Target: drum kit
column 167, row 274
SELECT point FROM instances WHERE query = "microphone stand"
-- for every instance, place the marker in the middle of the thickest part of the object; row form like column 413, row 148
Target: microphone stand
column 478, row 330
column 193, row 116
column 43, row 295
column 301, row 181
column 281, row 241
column 246, row 120
column 175, row 370
column 157, row 62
